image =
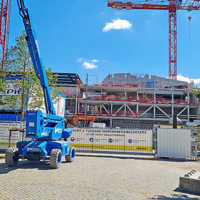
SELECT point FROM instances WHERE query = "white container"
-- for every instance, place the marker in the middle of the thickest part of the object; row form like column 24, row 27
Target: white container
column 59, row 105
column 174, row 143
column 98, row 125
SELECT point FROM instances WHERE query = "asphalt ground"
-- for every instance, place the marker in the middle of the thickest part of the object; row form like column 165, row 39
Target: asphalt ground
column 96, row 177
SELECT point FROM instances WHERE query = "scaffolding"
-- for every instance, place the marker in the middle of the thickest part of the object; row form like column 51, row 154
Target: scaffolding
column 129, row 103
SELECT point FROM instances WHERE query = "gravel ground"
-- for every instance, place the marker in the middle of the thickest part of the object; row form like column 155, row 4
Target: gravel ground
column 96, row 177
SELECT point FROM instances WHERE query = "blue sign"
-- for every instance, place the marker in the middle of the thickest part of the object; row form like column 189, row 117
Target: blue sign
column 110, row 140
column 72, row 139
column 130, row 141
column 91, row 139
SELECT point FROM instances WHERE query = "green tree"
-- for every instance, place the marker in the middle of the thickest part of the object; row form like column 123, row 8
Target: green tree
column 6, row 102
column 19, row 62
column 196, row 93
column 2, row 89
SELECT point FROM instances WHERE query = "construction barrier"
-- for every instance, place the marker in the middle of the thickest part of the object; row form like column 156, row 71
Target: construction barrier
column 112, row 140
column 4, row 135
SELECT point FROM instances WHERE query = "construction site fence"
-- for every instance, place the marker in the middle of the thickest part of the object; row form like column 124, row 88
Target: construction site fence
column 5, row 128
column 93, row 139
column 112, row 140
column 183, row 143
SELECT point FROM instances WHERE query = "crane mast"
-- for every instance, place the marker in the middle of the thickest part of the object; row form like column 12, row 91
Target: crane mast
column 172, row 6
column 172, row 42
column 4, row 30
column 34, row 53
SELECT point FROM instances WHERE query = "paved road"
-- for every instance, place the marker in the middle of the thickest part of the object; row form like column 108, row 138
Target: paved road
column 96, row 177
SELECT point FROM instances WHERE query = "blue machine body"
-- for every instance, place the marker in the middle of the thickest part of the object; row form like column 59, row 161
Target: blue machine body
column 45, row 127
column 46, row 131
column 37, row 150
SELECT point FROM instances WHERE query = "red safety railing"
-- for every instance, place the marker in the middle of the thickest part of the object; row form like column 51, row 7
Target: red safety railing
column 146, row 100
column 117, row 85
column 119, row 114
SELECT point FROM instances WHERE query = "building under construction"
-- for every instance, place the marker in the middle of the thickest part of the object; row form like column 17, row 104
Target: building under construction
column 125, row 100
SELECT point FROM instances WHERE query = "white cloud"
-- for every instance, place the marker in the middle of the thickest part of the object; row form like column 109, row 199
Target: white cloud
column 117, row 24
column 189, row 80
column 80, row 60
column 89, row 65
column 94, row 60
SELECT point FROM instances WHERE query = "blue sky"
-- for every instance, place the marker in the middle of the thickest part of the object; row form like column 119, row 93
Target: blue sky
column 85, row 36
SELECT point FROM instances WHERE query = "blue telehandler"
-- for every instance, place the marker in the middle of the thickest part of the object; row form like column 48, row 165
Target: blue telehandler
column 46, row 131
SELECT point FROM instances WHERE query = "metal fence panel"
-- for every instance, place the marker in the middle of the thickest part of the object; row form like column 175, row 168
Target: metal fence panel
column 139, row 140
column 112, row 140
column 4, row 134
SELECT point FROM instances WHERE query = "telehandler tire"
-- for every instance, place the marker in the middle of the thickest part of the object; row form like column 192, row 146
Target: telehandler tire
column 55, row 158
column 71, row 156
column 11, row 157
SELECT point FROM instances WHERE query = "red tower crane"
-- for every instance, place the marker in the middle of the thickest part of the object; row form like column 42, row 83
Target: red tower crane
column 171, row 6
column 4, row 24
